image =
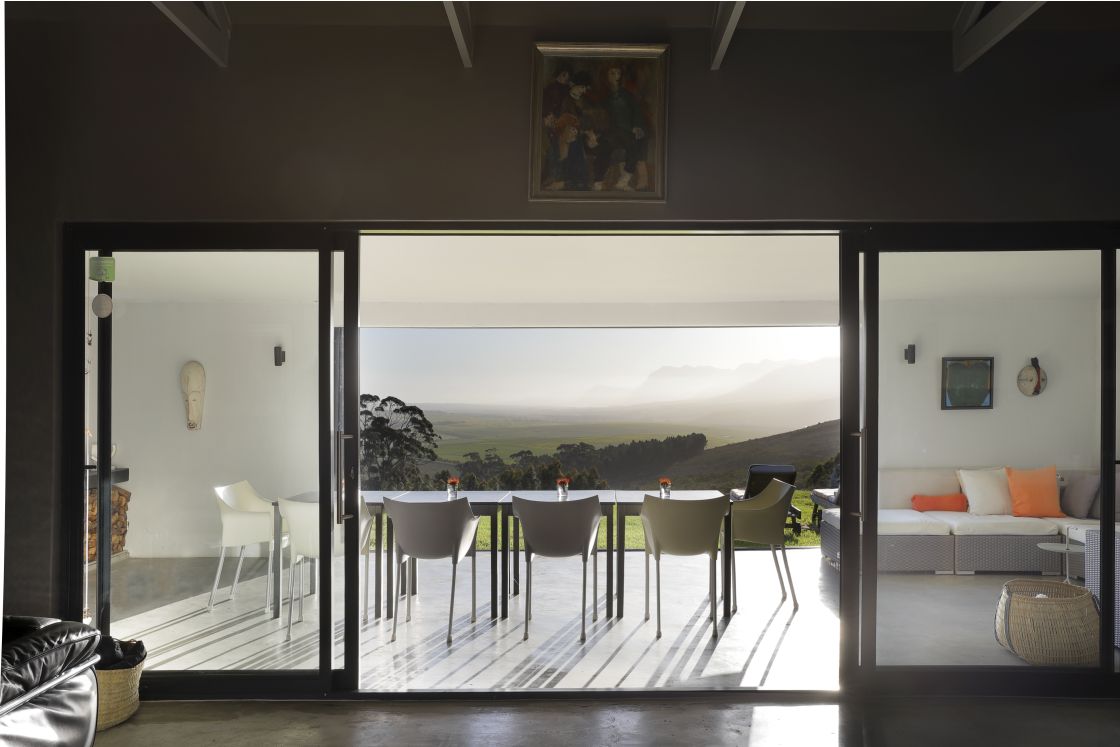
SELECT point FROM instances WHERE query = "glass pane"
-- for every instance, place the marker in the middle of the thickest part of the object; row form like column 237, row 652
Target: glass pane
column 215, row 419
column 989, row 457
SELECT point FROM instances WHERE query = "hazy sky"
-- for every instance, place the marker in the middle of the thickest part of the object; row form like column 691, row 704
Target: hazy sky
column 557, row 366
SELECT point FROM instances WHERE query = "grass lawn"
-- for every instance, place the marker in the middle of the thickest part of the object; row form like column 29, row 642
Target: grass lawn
column 635, row 538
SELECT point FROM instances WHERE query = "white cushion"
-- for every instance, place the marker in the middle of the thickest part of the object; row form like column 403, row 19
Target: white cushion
column 962, row 523
column 898, row 486
column 1066, row 523
column 894, row 521
column 897, row 521
column 1076, row 532
column 987, row 491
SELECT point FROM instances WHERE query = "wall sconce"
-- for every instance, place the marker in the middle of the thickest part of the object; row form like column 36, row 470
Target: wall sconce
column 910, row 354
column 279, row 356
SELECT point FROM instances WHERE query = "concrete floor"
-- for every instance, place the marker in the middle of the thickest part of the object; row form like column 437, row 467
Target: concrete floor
column 707, row 721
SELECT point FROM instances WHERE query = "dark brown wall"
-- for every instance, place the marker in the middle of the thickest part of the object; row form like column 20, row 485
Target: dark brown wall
column 134, row 123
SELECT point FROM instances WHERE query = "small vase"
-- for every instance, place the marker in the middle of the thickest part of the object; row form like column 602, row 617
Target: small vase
column 665, row 491
column 562, row 492
column 452, row 492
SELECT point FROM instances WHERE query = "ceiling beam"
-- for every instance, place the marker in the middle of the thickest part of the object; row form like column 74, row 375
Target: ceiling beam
column 723, row 28
column 459, row 16
column 974, row 34
column 206, row 24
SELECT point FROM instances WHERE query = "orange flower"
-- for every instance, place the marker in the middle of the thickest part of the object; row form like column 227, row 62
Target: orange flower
column 664, row 481
column 563, row 481
column 453, row 481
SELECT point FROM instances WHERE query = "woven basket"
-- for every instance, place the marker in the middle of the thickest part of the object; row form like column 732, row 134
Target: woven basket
column 1060, row 629
column 118, row 695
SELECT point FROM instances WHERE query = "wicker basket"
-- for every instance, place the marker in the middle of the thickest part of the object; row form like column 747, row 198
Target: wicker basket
column 1061, row 628
column 118, row 695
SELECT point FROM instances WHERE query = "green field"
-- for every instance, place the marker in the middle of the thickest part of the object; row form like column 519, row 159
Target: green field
column 635, row 538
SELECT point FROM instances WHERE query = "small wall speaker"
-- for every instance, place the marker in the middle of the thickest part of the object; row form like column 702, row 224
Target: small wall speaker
column 911, row 353
column 279, row 356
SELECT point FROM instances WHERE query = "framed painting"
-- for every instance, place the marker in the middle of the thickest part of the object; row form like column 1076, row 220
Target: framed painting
column 966, row 383
column 599, row 122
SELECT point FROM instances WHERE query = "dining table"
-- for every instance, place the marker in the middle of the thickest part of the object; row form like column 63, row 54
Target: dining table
column 512, row 525
column 629, row 503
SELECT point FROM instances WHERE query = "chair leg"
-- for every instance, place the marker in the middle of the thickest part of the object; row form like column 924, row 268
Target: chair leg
column 583, row 607
column 595, row 585
column 657, row 562
column 408, row 590
column 396, row 608
column 299, row 582
column 291, row 597
column 647, row 585
column 778, row 570
column 474, row 584
column 734, row 584
column 712, row 592
column 451, row 610
column 789, row 576
column 528, row 592
column 365, row 601
column 268, row 580
column 237, row 573
column 218, row 575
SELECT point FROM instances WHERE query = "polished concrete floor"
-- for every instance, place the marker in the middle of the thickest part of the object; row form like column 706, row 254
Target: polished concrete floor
column 707, row 721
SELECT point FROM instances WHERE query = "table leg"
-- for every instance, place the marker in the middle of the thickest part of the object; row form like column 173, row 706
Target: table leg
column 377, row 522
column 494, row 564
column 390, row 561
column 412, row 577
column 516, row 556
column 620, row 540
column 506, row 519
column 610, row 566
column 728, row 549
column 277, row 559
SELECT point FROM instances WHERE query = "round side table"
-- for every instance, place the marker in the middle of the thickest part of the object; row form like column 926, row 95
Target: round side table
column 1065, row 549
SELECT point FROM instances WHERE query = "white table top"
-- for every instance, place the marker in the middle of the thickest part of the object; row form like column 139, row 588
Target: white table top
column 639, row 496
column 605, row 496
column 1061, row 547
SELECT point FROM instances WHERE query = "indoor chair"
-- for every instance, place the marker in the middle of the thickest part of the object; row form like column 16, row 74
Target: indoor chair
column 561, row 530
column 247, row 519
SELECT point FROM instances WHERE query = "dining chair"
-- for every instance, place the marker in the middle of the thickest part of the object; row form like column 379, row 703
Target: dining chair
column 561, row 529
column 679, row 527
column 433, row 531
column 246, row 520
column 762, row 520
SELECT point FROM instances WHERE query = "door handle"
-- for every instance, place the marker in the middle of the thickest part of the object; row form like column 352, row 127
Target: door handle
column 340, row 439
column 862, row 469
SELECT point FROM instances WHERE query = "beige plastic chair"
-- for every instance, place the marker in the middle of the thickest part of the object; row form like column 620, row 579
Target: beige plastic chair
column 561, row 530
column 683, row 528
column 762, row 520
column 303, row 519
column 431, row 531
column 246, row 520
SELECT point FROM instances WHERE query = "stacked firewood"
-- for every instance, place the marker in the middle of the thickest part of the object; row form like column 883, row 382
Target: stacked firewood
column 119, row 529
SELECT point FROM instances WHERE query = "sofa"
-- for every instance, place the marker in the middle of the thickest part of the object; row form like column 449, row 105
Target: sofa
column 48, row 693
column 957, row 542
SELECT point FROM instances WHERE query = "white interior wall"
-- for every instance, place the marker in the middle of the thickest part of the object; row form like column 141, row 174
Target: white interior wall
column 259, row 421
column 1061, row 426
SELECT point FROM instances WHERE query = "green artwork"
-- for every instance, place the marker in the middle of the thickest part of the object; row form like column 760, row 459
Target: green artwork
column 966, row 383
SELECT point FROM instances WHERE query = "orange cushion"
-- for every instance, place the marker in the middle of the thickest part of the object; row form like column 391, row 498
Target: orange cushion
column 1034, row 492
column 951, row 502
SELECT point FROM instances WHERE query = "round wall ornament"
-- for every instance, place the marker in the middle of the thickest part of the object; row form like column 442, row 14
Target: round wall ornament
column 1032, row 379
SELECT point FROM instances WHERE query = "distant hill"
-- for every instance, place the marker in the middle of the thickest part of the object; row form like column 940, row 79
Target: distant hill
column 726, row 466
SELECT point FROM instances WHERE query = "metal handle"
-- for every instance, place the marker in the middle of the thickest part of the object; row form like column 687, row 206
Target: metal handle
column 340, row 475
column 862, row 469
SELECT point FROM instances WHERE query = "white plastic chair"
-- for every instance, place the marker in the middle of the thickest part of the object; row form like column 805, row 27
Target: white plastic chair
column 246, row 520
column 561, row 530
column 303, row 519
column 683, row 528
column 432, row 531
column 762, row 520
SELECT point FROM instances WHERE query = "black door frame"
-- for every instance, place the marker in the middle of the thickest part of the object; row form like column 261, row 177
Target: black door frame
column 858, row 674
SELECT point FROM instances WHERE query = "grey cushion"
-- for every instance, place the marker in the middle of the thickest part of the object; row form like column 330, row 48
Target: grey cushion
column 1079, row 494
column 1095, row 509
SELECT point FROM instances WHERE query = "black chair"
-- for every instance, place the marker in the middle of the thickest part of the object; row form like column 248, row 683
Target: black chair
column 760, row 475
column 48, row 694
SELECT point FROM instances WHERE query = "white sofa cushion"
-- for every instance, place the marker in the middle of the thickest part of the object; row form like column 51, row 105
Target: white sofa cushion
column 1076, row 532
column 897, row 521
column 961, row 523
column 1065, row 524
column 987, row 491
column 898, row 486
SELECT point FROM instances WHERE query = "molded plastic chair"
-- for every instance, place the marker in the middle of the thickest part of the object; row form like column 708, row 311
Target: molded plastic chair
column 683, row 528
column 303, row 518
column 246, row 520
column 431, row 531
column 762, row 520
column 561, row 530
